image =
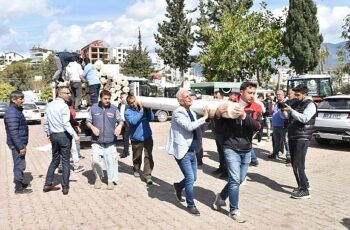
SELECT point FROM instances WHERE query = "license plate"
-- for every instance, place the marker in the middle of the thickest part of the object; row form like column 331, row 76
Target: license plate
column 332, row 115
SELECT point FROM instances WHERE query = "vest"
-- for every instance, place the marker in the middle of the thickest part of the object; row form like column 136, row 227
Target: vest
column 105, row 120
column 296, row 129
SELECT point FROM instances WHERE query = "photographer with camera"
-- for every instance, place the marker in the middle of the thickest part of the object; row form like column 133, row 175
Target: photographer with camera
column 278, row 126
column 301, row 114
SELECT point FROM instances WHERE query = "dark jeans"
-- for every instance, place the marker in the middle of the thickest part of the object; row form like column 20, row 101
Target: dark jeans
column 298, row 149
column 279, row 136
column 188, row 166
column 19, row 165
column 76, row 88
column 61, row 146
column 259, row 135
column 94, row 91
column 148, row 164
column 220, row 149
column 126, row 138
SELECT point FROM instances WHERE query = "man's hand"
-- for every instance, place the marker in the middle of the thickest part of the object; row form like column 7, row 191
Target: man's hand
column 78, row 129
column 221, row 109
column 118, row 130
column 287, row 108
column 77, row 138
column 22, row 152
column 95, row 131
column 239, row 112
column 206, row 112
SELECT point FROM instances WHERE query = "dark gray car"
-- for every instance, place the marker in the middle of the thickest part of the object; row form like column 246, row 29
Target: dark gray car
column 3, row 108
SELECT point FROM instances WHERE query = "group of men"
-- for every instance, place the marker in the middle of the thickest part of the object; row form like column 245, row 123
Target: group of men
column 183, row 142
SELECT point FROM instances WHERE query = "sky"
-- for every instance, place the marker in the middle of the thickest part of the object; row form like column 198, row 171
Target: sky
column 70, row 25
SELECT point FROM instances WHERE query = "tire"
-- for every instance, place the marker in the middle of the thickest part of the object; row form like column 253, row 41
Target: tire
column 162, row 116
column 321, row 141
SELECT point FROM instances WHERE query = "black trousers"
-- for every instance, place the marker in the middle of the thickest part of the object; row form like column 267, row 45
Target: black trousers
column 220, row 149
column 19, row 165
column 298, row 149
column 61, row 147
column 76, row 89
column 137, row 149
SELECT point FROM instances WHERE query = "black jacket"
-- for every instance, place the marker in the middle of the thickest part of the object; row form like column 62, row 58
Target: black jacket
column 16, row 127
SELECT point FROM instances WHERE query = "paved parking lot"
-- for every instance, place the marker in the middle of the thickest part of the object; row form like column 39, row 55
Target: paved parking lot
column 265, row 201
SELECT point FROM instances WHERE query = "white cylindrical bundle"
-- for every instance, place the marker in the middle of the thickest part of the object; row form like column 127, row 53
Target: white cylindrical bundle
column 84, row 85
column 118, row 93
column 103, row 80
column 113, row 84
column 126, row 89
column 118, row 82
column 109, row 76
column 84, row 102
column 118, row 87
column 99, row 64
column 112, row 90
column 170, row 104
column 124, row 83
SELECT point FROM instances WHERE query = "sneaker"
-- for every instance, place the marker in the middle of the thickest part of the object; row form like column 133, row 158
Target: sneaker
column 136, row 174
column 301, row 194
column 254, row 163
column 98, row 183
column 178, row 192
column 272, row 156
column 110, row 185
column 218, row 203
column 244, row 182
column 236, row 215
column 23, row 191
column 219, row 170
column 149, row 181
column 298, row 188
column 193, row 210
column 24, row 185
column 79, row 169
column 288, row 161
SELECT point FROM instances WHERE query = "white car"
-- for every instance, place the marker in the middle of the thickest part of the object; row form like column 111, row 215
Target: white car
column 333, row 119
column 31, row 113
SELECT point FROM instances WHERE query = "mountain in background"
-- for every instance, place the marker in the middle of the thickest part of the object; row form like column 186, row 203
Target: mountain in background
column 331, row 61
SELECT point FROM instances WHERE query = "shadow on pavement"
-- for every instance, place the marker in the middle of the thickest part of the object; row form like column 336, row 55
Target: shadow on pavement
column 254, row 177
column 346, row 222
column 27, row 177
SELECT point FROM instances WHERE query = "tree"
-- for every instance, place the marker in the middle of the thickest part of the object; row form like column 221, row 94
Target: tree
column 137, row 62
column 341, row 66
column 346, row 31
column 18, row 75
column 302, row 39
column 324, row 53
column 46, row 93
column 247, row 45
column 5, row 91
column 175, row 37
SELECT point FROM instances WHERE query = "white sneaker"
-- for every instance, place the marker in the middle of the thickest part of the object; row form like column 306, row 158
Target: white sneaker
column 218, row 202
column 236, row 215
column 244, row 182
column 79, row 169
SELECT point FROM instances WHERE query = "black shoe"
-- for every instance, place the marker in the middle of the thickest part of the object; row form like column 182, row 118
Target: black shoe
column 178, row 192
column 223, row 175
column 149, row 181
column 301, row 194
column 24, row 185
column 60, row 171
column 288, row 161
column 23, row 191
column 254, row 163
column 65, row 191
column 199, row 162
column 219, row 170
column 193, row 210
column 272, row 156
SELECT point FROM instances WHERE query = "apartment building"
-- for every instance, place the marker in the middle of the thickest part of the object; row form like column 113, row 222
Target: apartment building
column 96, row 50
column 119, row 53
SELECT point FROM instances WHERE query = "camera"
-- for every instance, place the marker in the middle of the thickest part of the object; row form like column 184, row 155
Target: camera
column 281, row 105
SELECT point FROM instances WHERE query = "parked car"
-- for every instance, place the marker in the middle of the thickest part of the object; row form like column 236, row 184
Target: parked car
column 333, row 119
column 42, row 107
column 31, row 113
column 3, row 108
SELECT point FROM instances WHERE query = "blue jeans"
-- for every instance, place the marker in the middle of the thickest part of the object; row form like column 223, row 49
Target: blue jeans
column 19, row 165
column 94, row 91
column 61, row 147
column 188, row 166
column 253, row 156
column 237, row 166
column 104, row 154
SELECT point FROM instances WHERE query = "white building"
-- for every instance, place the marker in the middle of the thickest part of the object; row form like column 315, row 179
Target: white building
column 119, row 53
column 38, row 55
column 9, row 57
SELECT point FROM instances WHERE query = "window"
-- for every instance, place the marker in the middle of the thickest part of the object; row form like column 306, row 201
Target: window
column 335, row 103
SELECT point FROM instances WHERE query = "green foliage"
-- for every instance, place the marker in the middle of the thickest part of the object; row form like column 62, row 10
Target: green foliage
column 302, row 39
column 324, row 53
column 5, row 90
column 18, row 75
column 247, row 44
column 137, row 63
column 346, row 31
column 46, row 93
column 175, row 37
column 47, row 69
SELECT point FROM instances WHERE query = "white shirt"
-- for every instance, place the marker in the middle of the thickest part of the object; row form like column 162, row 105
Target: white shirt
column 74, row 72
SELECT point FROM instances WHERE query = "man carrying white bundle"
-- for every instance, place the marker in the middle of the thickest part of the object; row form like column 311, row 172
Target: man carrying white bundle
column 237, row 145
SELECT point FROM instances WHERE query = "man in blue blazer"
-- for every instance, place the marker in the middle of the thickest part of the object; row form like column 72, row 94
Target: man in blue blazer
column 17, row 139
column 183, row 142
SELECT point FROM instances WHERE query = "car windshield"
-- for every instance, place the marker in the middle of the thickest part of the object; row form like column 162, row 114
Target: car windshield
column 317, row 87
column 3, row 104
column 29, row 106
column 336, row 103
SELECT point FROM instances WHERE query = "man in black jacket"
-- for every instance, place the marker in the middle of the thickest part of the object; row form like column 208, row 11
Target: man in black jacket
column 17, row 139
column 237, row 145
